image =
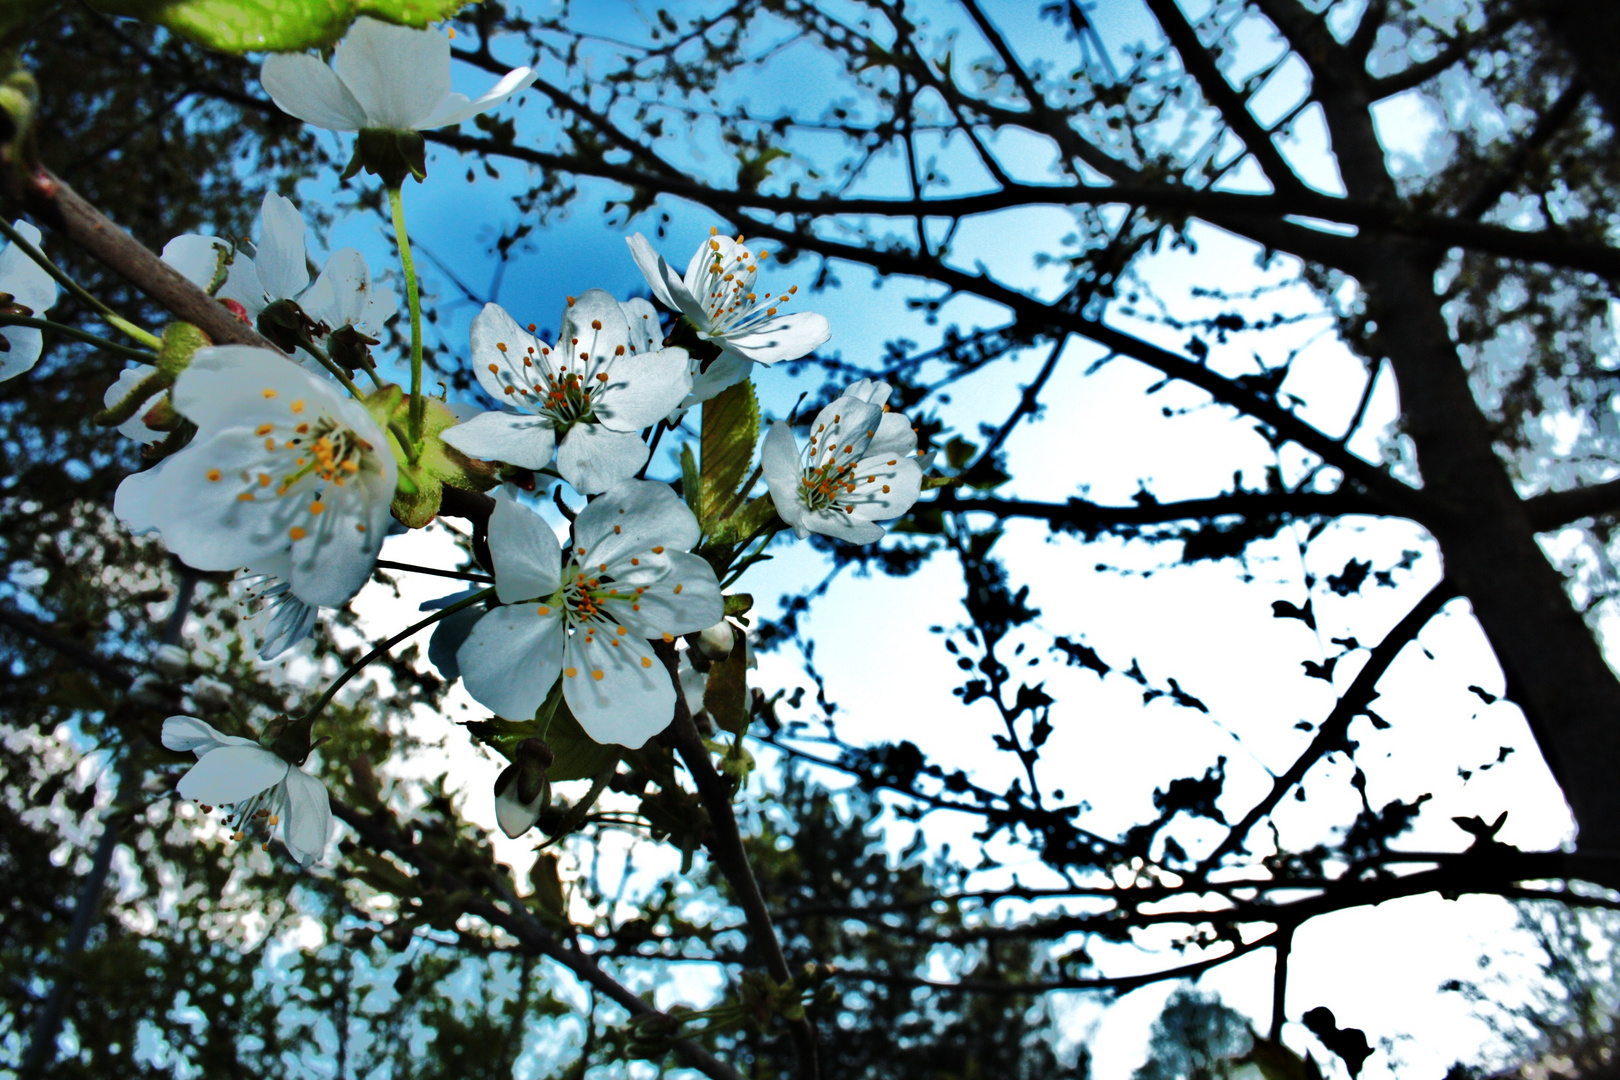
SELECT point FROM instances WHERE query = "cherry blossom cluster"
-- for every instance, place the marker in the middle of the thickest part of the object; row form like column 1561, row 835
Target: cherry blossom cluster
column 273, row 462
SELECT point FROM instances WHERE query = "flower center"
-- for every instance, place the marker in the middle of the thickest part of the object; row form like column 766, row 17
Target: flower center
column 303, row 457
column 727, row 290
column 834, row 481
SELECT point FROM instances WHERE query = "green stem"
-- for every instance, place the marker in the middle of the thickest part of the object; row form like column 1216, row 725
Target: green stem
column 354, row 669
column 117, row 321
column 396, row 203
column 332, row 366
column 769, row 532
column 82, row 335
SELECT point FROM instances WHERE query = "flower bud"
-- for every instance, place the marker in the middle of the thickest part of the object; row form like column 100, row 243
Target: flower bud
column 523, row 790
column 716, row 642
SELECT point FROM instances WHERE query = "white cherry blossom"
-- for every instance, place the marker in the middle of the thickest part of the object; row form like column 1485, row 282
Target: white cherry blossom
column 587, row 614
column 263, row 791
column 858, row 469
column 717, row 295
column 29, row 286
column 343, row 294
column 584, row 401
column 382, row 76
column 282, row 462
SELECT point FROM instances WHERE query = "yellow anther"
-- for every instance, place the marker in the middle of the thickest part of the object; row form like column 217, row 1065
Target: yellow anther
column 298, row 406
column 597, row 674
column 646, row 661
column 316, row 507
column 265, row 429
column 570, row 672
column 543, row 609
column 297, row 533
column 269, row 393
column 246, row 496
column 213, row 474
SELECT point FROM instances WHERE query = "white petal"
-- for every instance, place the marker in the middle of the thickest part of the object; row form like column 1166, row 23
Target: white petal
column 455, row 107
column 842, row 526
column 510, row 661
column 24, row 346
column 202, row 521
column 786, row 337
column 189, row 733
column 661, row 277
column 242, row 284
column 894, row 437
column 593, row 325
column 779, row 460
column 727, row 369
column 514, row 817
column 903, row 481
column 230, row 774
column 593, row 459
column 519, row 439
column 304, row 87
column 618, row 693
column 309, row 817
column 226, row 385
column 697, row 606
column 499, row 342
column 646, row 334
column 643, row 388
column 281, row 259
column 200, row 259
column 528, row 559
column 341, row 291
column 24, row 278
column 397, row 74
column 846, row 421
column 645, row 513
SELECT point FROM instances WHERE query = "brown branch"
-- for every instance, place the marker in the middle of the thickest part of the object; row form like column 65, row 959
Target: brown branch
column 725, row 846
column 1553, row 509
column 522, row 924
column 1088, row 517
column 1331, row 735
column 1199, row 62
column 53, row 202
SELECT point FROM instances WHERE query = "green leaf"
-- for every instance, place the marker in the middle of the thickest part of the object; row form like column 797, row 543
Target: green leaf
column 958, row 452
column 578, row 755
column 739, row 603
column 239, row 26
column 725, row 695
column 691, row 480
column 754, row 169
column 730, row 430
column 548, row 889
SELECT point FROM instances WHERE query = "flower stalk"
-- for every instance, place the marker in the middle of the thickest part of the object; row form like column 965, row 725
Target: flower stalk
column 396, row 205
